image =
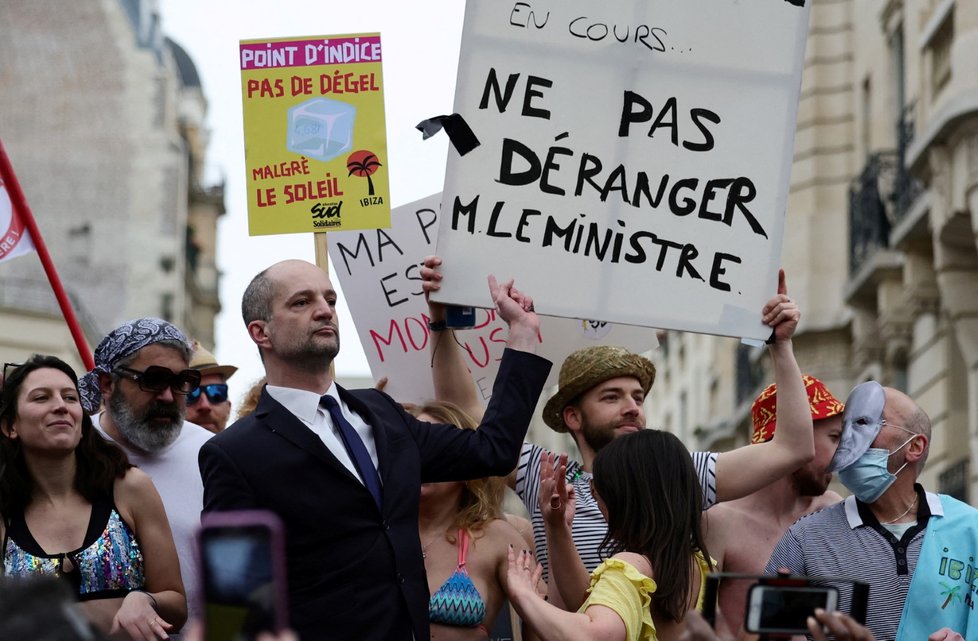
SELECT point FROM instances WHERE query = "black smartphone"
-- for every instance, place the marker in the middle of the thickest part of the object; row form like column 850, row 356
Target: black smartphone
column 242, row 570
column 785, row 609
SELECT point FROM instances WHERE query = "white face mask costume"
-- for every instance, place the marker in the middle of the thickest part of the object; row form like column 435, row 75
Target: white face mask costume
column 864, row 469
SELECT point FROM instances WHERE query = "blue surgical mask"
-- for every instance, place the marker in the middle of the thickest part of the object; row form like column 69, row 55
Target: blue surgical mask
column 869, row 477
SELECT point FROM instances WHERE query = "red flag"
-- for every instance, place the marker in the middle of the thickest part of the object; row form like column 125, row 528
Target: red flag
column 22, row 235
column 15, row 240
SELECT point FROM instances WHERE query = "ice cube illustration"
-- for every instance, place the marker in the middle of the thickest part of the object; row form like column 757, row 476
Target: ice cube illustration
column 321, row 128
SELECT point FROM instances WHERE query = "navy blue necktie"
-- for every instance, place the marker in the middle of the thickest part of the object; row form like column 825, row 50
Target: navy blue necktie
column 355, row 448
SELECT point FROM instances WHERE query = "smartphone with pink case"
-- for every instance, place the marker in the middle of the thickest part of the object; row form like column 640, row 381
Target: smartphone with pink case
column 242, row 572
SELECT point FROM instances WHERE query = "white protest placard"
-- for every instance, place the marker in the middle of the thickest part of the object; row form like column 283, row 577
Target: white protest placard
column 634, row 157
column 379, row 271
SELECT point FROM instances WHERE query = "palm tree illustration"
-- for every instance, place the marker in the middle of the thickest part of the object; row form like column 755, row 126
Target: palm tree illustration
column 952, row 594
column 363, row 163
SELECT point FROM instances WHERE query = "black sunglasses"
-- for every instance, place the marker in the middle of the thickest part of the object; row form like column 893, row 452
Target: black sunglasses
column 157, row 378
column 216, row 393
column 9, row 369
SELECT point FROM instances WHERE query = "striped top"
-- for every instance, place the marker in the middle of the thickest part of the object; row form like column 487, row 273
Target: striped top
column 589, row 526
column 847, row 540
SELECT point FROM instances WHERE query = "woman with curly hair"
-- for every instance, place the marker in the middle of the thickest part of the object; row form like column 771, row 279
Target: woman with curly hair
column 464, row 541
column 72, row 506
column 647, row 488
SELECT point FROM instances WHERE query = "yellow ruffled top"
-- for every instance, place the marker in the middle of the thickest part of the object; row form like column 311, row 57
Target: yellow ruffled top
column 618, row 585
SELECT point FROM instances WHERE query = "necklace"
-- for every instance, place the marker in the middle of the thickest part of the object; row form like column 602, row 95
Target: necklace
column 902, row 514
column 424, row 548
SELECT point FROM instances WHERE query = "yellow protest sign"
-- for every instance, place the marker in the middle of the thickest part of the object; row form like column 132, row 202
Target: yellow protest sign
column 315, row 143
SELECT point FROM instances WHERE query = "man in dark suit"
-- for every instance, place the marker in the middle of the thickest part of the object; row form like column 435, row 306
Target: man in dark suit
column 343, row 469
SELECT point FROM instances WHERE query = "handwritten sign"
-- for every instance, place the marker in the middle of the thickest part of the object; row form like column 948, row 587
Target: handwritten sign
column 315, row 144
column 379, row 271
column 634, row 157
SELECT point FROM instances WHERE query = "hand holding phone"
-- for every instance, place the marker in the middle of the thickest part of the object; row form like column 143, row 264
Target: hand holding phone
column 784, row 609
column 242, row 562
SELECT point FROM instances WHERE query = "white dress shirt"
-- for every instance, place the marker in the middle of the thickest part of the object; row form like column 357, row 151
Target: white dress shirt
column 305, row 406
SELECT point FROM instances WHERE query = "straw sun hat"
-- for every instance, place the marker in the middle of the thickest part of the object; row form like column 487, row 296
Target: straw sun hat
column 588, row 367
column 205, row 361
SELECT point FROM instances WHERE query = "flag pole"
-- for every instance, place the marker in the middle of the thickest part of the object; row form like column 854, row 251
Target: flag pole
column 21, row 209
column 322, row 261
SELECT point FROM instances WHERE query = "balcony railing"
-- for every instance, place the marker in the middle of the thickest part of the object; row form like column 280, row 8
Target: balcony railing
column 869, row 228
column 906, row 188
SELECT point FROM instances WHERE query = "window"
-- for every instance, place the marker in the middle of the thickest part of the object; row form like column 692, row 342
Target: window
column 897, row 68
column 866, row 100
column 940, row 61
column 953, row 481
column 937, row 37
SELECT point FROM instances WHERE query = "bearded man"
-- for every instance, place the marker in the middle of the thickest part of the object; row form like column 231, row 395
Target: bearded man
column 343, row 468
column 601, row 395
column 142, row 378
column 741, row 534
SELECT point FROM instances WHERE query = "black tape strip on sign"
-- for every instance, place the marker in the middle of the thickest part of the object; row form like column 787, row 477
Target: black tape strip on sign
column 459, row 133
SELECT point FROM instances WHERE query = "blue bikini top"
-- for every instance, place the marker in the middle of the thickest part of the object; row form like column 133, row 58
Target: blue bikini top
column 457, row 602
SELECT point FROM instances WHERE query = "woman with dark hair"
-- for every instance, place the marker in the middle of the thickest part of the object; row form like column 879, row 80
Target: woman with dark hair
column 464, row 541
column 72, row 506
column 646, row 487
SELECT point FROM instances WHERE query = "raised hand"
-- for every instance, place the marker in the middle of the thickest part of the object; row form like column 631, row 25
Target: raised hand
column 516, row 308
column 780, row 313
column 431, row 277
column 556, row 498
column 522, row 576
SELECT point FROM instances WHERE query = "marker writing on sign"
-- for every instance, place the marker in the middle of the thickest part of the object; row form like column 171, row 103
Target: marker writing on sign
column 591, row 240
column 593, row 29
column 375, row 247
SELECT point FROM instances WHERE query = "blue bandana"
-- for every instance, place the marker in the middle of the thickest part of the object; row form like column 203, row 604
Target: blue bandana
column 120, row 343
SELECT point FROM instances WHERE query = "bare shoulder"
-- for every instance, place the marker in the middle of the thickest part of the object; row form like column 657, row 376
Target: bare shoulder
column 719, row 512
column 521, row 525
column 637, row 561
column 133, row 488
column 504, row 531
column 494, row 541
column 723, row 516
column 133, row 494
column 135, row 480
column 827, row 499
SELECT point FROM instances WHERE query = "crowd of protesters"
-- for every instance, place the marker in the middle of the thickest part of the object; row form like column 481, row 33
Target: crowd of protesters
column 392, row 515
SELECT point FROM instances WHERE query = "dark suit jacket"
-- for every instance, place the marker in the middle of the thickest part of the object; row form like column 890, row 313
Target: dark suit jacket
column 356, row 572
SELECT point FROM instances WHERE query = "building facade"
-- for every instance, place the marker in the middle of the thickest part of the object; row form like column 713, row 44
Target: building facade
column 880, row 238
column 103, row 119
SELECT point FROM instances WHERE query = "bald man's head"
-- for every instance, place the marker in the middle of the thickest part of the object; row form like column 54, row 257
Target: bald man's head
column 901, row 410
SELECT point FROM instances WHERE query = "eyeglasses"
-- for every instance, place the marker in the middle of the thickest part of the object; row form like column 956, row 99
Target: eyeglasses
column 8, row 371
column 216, row 393
column 157, row 378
